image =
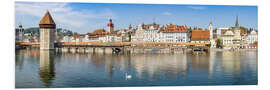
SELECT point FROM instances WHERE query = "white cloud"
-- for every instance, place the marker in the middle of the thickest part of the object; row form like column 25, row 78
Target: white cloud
column 167, row 13
column 63, row 14
column 197, row 7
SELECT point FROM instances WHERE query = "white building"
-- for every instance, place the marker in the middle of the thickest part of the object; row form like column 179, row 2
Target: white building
column 227, row 40
column 174, row 33
column 110, row 38
column 147, row 33
column 156, row 33
column 220, row 30
column 94, row 38
column 19, row 36
column 175, row 37
column 235, row 40
column 77, row 40
column 138, row 36
column 252, row 37
column 85, row 38
column 66, row 39
column 151, row 34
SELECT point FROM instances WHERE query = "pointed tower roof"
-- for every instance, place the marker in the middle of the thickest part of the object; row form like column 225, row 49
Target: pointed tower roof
column 211, row 23
column 236, row 22
column 154, row 23
column 47, row 21
column 129, row 27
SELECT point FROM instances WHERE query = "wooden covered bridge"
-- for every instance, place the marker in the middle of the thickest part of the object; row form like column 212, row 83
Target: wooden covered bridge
column 116, row 47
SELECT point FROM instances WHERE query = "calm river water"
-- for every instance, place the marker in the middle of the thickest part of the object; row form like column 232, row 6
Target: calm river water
column 35, row 69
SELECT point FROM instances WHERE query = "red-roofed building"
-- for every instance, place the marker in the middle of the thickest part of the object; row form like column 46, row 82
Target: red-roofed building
column 175, row 33
column 200, row 36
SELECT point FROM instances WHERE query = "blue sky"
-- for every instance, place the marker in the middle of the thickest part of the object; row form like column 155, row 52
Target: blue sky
column 85, row 17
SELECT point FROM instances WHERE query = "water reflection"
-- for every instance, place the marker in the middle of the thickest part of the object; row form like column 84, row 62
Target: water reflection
column 231, row 61
column 21, row 55
column 148, row 66
column 19, row 59
column 169, row 66
column 86, row 70
column 200, row 63
column 47, row 69
column 211, row 68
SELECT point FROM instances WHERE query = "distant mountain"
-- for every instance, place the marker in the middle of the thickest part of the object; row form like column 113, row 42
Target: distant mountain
column 32, row 30
column 61, row 32
column 64, row 32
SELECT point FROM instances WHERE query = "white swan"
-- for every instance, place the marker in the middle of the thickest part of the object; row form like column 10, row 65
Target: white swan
column 128, row 76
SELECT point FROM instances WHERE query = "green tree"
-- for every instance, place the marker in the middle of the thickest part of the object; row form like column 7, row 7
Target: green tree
column 219, row 43
column 215, row 30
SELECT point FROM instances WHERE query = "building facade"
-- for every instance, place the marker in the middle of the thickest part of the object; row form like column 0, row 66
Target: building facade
column 175, row 33
column 151, row 34
column 252, row 39
column 227, row 40
column 139, row 35
column 19, row 34
column 156, row 33
column 232, row 35
column 220, row 32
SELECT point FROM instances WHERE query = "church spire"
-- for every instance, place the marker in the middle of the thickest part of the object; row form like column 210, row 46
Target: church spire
column 129, row 27
column 211, row 25
column 236, row 22
column 154, row 23
column 211, row 22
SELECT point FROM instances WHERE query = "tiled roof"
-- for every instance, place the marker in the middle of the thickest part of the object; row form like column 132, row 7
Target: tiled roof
column 225, row 30
column 156, row 26
column 99, row 31
column 175, row 28
column 47, row 19
column 200, row 35
column 242, row 31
